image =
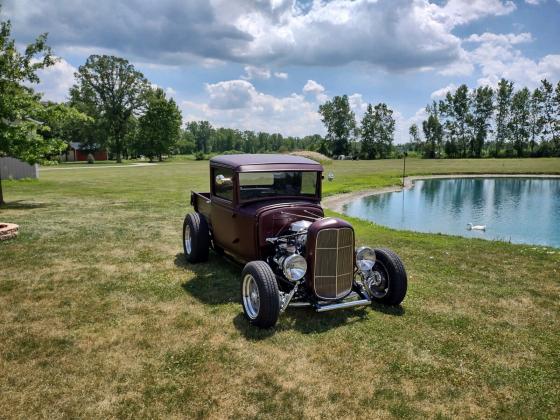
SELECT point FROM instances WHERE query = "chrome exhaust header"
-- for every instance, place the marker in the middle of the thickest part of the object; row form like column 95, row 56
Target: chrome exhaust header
column 343, row 305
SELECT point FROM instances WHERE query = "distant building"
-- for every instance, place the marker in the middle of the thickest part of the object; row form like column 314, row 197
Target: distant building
column 75, row 153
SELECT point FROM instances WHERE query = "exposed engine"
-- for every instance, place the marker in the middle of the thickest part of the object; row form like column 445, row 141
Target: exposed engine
column 290, row 250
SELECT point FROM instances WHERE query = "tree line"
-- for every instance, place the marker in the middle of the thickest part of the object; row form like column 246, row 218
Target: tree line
column 487, row 122
column 372, row 139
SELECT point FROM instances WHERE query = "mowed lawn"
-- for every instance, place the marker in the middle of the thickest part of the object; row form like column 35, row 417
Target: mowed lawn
column 100, row 315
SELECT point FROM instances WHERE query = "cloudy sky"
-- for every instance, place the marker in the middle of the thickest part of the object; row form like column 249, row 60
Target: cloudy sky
column 268, row 64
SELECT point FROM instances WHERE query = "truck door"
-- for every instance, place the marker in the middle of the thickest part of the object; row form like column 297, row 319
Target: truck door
column 222, row 214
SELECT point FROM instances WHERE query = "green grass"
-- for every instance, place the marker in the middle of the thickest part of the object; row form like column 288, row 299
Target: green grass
column 100, row 316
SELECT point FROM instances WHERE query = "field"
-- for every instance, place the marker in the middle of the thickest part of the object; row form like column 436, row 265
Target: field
column 100, row 315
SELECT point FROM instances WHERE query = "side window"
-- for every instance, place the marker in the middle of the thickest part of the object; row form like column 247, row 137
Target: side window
column 223, row 183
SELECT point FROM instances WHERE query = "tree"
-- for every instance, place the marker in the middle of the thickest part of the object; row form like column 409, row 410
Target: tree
column 415, row 139
column 368, row 131
column 449, row 126
column 386, row 123
column 503, row 107
column 536, row 118
column 202, row 132
column 433, row 132
column 340, row 122
column 556, row 120
column 159, row 128
column 19, row 106
column 62, row 122
column 547, row 92
column 462, row 117
column 482, row 109
column 112, row 90
column 519, row 124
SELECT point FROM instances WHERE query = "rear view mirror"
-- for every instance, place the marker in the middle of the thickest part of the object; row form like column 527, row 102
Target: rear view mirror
column 222, row 180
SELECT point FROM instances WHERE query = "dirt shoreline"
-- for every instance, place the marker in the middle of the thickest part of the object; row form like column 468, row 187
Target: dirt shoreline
column 337, row 202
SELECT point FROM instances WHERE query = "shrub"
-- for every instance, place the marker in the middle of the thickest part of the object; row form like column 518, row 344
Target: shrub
column 199, row 156
column 90, row 158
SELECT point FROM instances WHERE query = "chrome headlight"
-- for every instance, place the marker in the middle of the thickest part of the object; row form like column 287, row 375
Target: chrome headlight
column 365, row 258
column 294, row 267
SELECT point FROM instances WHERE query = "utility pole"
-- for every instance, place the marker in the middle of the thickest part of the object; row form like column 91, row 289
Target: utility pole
column 404, row 168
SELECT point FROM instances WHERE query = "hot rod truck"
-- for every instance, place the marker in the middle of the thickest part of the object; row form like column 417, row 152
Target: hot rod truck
column 264, row 211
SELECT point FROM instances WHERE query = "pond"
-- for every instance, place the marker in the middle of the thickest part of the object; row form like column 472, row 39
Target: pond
column 518, row 210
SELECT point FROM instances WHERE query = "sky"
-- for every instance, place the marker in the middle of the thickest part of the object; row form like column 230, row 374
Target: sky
column 267, row 65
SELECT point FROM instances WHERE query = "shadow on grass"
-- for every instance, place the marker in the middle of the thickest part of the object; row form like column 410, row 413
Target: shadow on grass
column 21, row 205
column 217, row 282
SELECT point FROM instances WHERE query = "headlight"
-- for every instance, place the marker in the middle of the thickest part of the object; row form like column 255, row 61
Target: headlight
column 365, row 258
column 294, row 267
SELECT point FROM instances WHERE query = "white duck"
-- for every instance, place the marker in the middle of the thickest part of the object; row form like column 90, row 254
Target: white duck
column 470, row 226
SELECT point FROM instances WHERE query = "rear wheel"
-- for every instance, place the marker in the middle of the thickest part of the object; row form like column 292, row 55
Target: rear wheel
column 195, row 238
column 259, row 294
column 389, row 281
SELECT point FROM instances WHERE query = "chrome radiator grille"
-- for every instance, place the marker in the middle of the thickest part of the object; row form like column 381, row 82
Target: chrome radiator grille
column 334, row 263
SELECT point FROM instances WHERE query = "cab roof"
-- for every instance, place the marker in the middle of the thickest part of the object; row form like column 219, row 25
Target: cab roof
column 266, row 162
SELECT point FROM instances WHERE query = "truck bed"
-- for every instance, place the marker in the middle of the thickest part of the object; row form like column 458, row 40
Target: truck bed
column 201, row 203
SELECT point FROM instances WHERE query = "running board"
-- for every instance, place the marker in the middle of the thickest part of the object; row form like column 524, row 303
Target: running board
column 343, row 305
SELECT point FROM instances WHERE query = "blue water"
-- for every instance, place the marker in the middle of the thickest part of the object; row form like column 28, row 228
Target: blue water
column 519, row 210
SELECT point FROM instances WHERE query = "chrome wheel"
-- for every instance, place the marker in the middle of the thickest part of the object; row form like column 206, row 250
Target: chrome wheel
column 378, row 281
column 251, row 297
column 188, row 239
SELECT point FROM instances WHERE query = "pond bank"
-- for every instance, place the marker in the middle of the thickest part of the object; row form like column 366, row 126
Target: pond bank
column 337, row 202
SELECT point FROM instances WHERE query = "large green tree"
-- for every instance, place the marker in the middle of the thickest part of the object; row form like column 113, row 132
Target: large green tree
column 433, row 132
column 368, row 131
column 159, row 128
column 556, row 120
column 482, row 110
column 340, row 121
column 19, row 106
column 519, row 123
column 504, row 95
column 202, row 132
column 536, row 118
column 113, row 91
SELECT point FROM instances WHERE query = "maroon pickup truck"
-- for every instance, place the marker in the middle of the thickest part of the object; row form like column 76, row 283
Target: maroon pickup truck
column 264, row 211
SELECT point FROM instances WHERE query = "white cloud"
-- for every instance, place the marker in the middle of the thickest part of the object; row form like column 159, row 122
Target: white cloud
column 313, row 87
column 534, row 2
column 280, row 75
column 509, row 39
column 440, row 93
column 357, row 104
column 230, row 94
column 238, row 104
column 56, row 81
column 255, row 72
column 393, row 35
column 461, row 12
column 496, row 57
column 316, row 89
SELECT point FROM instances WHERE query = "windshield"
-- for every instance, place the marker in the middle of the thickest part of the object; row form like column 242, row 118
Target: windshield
column 255, row 185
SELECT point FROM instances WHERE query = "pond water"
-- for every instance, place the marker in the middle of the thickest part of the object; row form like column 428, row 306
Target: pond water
column 520, row 210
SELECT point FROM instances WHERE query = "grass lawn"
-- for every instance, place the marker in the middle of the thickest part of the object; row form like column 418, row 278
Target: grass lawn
column 100, row 315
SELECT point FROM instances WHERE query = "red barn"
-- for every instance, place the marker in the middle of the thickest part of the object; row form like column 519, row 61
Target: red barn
column 75, row 153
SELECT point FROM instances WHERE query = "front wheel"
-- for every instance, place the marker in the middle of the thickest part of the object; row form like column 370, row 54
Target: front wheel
column 388, row 281
column 259, row 294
